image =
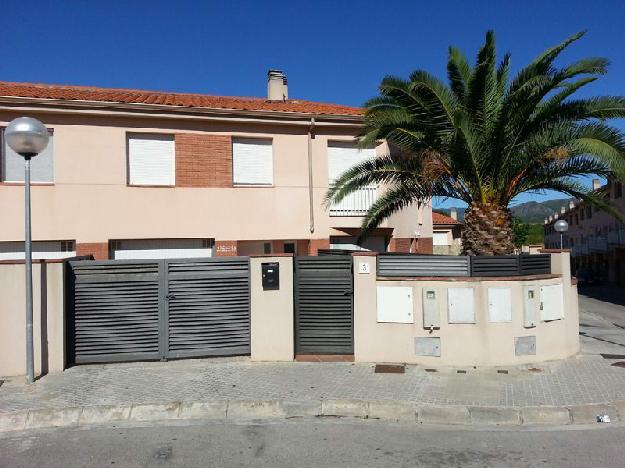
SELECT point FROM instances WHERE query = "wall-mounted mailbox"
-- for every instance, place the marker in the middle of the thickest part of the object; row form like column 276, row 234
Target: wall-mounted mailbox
column 271, row 275
column 431, row 314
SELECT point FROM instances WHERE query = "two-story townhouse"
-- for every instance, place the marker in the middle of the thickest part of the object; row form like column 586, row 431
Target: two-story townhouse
column 143, row 174
column 596, row 239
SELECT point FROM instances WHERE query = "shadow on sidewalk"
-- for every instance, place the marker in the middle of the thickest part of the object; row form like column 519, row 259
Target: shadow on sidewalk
column 612, row 294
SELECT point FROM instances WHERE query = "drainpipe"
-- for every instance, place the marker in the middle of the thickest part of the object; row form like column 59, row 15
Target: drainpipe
column 311, row 202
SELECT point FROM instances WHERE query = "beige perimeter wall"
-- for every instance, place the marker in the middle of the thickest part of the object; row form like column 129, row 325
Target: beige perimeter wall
column 49, row 329
column 475, row 344
column 272, row 312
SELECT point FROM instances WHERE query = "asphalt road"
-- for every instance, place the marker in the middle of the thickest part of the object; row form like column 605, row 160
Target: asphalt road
column 313, row 444
column 606, row 302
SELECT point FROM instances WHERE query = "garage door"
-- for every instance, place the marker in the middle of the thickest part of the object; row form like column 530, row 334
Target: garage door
column 143, row 249
column 129, row 310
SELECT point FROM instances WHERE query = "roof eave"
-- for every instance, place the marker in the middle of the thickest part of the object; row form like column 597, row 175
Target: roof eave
column 356, row 120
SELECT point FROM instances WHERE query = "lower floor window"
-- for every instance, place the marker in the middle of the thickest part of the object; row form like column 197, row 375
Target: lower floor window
column 41, row 250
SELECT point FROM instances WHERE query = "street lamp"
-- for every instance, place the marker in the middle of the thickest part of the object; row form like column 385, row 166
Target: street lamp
column 561, row 226
column 27, row 137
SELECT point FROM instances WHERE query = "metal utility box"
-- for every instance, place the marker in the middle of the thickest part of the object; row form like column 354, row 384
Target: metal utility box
column 431, row 314
column 428, row 346
column 525, row 346
column 499, row 305
column 531, row 306
column 551, row 302
column 461, row 305
column 394, row 304
column 271, row 275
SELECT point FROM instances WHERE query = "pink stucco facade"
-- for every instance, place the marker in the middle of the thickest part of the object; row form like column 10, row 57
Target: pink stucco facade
column 90, row 202
column 596, row 238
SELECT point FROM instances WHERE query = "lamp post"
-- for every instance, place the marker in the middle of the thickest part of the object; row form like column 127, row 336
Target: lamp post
column 27, row 137
column 561, row 226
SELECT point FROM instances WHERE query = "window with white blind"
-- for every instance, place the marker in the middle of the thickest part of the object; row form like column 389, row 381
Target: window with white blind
column 151, row 160
column 252, row 162
column 341, row 157
column 41, row 166
column 440, row 238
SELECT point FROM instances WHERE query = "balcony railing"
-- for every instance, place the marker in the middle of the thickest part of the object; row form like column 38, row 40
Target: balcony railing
column 356, row 203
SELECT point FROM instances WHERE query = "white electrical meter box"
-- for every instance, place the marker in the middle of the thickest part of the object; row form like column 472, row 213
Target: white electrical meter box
column 499, row 305
column 395, row 304
column 551, row 302
column 531, row 306
column 461, row 307
column 431, row 314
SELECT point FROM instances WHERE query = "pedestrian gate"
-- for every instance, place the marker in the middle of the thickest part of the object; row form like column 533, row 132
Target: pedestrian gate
column 123, row 310
column 324, row 305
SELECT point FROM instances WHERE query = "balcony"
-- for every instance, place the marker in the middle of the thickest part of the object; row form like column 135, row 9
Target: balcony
column 356, row 203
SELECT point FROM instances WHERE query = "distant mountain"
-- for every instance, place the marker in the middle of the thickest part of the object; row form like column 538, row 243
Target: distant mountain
column 528, row 212
column 536, row 212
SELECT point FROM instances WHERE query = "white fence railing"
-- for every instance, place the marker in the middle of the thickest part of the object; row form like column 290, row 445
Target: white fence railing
column 356, row 203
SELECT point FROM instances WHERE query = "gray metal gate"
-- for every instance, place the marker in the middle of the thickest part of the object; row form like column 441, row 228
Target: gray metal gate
column 123, row 310
column 324, row 305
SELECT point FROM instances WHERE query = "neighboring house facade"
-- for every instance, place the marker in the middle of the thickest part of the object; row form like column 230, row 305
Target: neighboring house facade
column 447, row 233
column 139, row 174
column 596, row 238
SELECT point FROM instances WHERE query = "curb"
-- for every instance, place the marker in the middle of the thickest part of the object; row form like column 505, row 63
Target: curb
column 246, row 410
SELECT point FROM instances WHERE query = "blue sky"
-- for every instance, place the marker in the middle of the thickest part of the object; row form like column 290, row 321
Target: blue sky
column 332, row 51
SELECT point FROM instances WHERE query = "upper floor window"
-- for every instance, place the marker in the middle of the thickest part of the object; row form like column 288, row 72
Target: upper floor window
column 252, row 161
column 151, row 160
column 341, row 157
column 41, row 166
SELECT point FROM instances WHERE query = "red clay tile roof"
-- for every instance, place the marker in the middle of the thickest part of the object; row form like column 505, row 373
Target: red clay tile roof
column 128, row 96
column 438, row 218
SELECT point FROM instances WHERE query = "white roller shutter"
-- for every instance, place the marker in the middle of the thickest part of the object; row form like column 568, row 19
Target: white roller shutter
column 343, row 156
column 41, row 166
column 440, row 238
column 252, row 162
column 136, row 249
column 40, row 250
column 151, row 160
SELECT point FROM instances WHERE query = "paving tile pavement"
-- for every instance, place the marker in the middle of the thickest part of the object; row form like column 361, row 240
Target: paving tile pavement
column 575, row 381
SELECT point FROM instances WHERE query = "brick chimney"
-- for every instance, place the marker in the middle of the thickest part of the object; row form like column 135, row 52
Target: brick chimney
column 277, row 86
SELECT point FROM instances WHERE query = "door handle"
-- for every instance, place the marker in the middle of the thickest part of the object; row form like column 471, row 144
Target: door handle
column 170, row 296
column 347, row 292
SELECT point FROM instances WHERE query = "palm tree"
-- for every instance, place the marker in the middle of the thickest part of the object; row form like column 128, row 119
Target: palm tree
column 484, row 139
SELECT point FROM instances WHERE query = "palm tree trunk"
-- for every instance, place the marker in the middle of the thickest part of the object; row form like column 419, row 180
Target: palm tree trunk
column 487, row 230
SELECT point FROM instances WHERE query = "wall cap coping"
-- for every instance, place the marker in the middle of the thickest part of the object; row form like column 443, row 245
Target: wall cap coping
column 272, row 255
column 474, row 279
column 555, row 250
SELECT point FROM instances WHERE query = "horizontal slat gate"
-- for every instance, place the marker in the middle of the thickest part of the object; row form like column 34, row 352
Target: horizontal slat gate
column 423, row 265
column 323, row 305
column 127, row 310
column 115, row 313
column 539, row 264
column 209, row 307
column 500, row 265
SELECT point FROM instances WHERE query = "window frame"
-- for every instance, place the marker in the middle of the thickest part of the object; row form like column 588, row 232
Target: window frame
column 130, row 135
column 269, row 140
column 3, row 162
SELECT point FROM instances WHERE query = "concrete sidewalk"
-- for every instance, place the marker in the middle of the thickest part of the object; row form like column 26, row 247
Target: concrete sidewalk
column 574, row 390
column 564, row 392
